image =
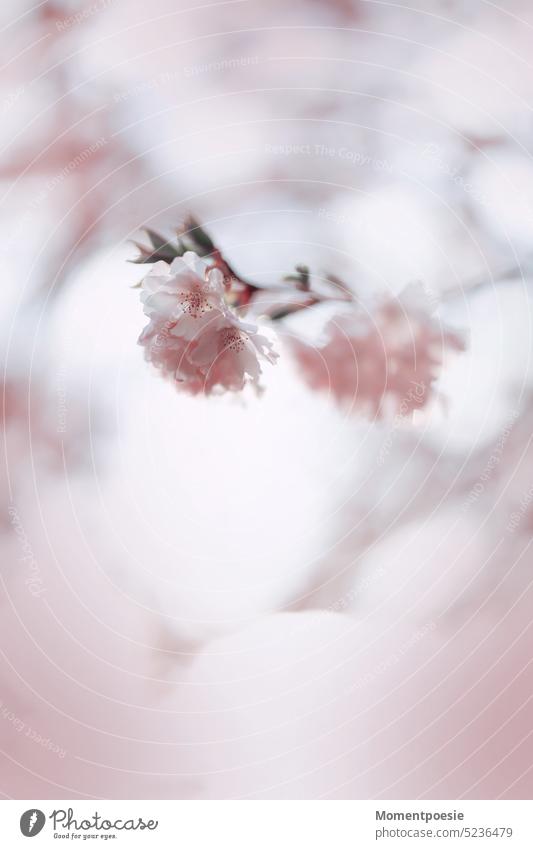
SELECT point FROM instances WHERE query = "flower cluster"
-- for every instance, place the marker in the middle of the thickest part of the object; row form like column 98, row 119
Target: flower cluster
column 193, row 336
column 380, row 362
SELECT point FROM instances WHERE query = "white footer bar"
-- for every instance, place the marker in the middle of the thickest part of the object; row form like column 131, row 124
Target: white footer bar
column 267, row 824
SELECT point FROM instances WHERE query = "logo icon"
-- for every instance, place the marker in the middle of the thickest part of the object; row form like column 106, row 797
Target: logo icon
column 32, row 822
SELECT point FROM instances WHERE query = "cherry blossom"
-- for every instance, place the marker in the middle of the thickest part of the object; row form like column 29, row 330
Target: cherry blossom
column 193, row 336
column 380, row 363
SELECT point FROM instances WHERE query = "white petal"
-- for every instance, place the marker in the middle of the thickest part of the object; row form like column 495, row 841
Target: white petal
column 195, row 264
column 216, row 279
column 157, row 276
column 162, row 303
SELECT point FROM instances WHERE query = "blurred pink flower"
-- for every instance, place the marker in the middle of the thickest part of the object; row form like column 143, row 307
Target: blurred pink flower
column 193, row 335
column 381, row 363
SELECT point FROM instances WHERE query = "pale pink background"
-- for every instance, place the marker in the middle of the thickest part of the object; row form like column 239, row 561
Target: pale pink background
column 241, row 597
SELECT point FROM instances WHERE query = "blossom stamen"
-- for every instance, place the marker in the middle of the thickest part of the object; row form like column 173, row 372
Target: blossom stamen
column 233, row 340
column 194, row 304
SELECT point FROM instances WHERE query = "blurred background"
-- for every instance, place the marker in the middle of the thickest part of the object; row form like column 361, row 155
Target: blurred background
column 269, row 597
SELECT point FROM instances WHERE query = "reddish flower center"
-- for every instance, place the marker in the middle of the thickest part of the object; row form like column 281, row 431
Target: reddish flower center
column 194, row 304
column 233, row 339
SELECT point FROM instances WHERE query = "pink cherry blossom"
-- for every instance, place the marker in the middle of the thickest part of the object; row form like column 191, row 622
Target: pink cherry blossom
column 230, row 354
column 193, row 336
column 380, row 363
